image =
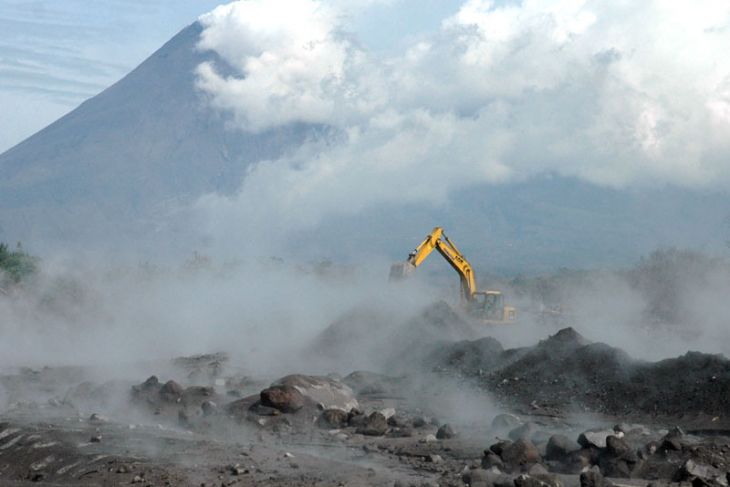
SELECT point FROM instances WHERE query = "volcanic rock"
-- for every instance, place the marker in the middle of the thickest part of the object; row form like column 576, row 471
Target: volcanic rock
column 197, row 394
column 500, row 446
column 432, row 458
column 171, row 391
column 398, row 421
column 706, row 474
column 520, row 454
column 387, row 412
column 420, row 421
column 559, row 447
column 445, row 432
column 376, row 425
column 285, row 398
column 97, row 418
column 151, row 383
column 208, row 408
column 477, row 477
column 327, row 392
column 332, row 419
column 400, row 433
column 537, row 469
column 491, row 459
column 592, row 478
column 356, row 418
column 240, row 407
column 673, row 440
column 595, row 438
column 616, row 446
column 615, row 467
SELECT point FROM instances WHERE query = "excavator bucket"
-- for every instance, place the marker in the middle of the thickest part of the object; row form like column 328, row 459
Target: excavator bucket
column 400, row 270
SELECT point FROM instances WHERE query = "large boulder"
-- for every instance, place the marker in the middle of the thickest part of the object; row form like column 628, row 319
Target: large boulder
column 617, row 459
column 500, row 446
column 376, row 425
column 592, row 478
column 491, row 459
column 559, row 447
column 445, row 432
column 701, row 474
column 171, row 391
column 596, row 438
column 616, row 446
column 328, row 393
column 477, row 477
column 240, row 407
column 285, row 398
column 519, row 454
column 152, row 383
column 197, row 395
column 332, row 419
column 674, row 440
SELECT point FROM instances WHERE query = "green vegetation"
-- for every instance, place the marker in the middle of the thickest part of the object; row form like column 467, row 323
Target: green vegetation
column 15, row 265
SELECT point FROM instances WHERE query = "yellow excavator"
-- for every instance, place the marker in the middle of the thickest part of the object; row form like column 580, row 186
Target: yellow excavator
column 487, row 306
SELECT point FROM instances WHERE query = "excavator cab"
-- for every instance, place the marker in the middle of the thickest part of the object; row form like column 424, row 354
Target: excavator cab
column 489, row 306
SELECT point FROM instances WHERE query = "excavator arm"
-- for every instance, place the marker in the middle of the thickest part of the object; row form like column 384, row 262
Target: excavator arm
column 437, row 240
column 486, row 305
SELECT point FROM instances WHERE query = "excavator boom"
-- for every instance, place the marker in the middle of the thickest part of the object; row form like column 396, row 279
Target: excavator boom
column 485, row 302
column 437, row 240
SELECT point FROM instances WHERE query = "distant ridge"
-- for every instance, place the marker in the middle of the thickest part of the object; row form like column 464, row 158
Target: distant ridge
column 134, row 151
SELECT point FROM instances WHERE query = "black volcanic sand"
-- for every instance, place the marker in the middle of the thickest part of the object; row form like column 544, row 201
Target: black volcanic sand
column 568, row 373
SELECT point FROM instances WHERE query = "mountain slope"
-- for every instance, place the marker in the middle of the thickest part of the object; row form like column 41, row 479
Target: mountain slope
column 137, row 149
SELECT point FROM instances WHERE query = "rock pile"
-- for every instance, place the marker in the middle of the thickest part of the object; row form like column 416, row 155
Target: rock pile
column 624, row 451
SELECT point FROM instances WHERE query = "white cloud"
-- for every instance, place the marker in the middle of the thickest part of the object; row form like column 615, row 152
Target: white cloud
column 294, row 67
column 616, row 93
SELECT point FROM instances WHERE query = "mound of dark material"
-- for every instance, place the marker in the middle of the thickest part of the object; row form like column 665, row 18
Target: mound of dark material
column 440, row 322
column 564, row 370
column 415, row 339
column 567, row 372
column 484, row 354
column 390, row 342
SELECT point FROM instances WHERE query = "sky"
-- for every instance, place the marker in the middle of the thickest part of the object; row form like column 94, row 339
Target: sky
column 56, row 54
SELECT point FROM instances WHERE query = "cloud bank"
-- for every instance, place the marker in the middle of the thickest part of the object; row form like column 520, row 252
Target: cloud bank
column 622, row 94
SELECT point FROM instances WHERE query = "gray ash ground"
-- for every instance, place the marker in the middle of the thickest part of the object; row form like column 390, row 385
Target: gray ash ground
column 564, row 412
